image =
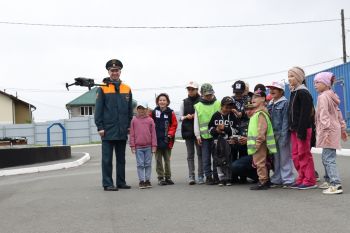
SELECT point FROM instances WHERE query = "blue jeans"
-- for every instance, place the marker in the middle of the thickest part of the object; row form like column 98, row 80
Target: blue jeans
column 144, row 163
column 207, row 156
column 331, row 172
column 107, row 161
column 244, row 167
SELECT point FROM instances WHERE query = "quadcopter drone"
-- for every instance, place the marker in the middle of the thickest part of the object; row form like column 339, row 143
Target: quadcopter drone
column 84, row 82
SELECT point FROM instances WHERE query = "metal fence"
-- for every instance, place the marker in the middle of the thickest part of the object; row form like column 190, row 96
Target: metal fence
column 79, row 130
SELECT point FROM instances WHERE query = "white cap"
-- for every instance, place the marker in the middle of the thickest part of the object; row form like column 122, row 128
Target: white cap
column 279, row 85
column 142, row 104
column 193, row 85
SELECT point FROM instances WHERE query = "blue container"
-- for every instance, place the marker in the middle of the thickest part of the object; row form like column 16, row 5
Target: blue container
column 341, row 87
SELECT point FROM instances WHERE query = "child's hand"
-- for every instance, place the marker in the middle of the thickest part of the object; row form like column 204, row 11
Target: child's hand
column 344, row 136
column 133, row 150
column 242, row 140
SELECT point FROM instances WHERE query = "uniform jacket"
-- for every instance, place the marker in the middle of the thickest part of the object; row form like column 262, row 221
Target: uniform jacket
column 166, row 124
column 113, row 110
column 329, row 120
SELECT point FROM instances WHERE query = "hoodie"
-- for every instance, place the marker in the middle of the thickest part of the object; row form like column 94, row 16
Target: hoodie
column 329, row 120
column 143, row 133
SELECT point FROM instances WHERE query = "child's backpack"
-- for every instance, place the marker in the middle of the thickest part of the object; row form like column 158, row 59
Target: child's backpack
column 222, row 151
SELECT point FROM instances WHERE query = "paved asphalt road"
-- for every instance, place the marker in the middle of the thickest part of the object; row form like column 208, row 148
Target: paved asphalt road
column 73, row 201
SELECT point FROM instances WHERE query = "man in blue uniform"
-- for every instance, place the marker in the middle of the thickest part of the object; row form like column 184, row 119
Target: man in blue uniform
column 113, row 114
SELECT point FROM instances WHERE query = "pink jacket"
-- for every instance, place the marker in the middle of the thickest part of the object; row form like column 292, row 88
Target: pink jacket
column 329, row 120
column 142, row 132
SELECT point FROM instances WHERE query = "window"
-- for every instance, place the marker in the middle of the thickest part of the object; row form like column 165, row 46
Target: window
column 86, row 111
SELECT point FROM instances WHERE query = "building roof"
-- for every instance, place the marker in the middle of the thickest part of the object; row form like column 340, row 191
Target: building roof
column 87, row 99
column 14, row 98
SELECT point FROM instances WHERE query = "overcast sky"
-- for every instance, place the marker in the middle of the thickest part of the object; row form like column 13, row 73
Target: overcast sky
column 36, row 61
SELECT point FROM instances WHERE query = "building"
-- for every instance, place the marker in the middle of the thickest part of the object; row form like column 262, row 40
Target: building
column 84, row 105
column 341, row 87
column 14, row 110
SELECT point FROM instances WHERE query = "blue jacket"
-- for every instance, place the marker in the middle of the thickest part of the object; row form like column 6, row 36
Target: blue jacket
column 279, row 117
column 113, row 110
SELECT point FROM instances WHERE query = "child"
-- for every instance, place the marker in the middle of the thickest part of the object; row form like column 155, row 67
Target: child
column 283, row 164
column 204, row 110
column 143, row 142
column 222, row 126
column 187, row 132
column 166, row 124
column 330, row 126
column 260, row 139
column 300, row 123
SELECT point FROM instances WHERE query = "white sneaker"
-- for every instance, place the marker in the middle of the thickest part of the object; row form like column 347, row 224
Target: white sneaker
column 325, row 185
column 333, row 189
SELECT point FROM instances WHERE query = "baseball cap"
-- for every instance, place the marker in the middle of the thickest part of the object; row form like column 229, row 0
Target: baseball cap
column 192, row 84
column 227, row 100
column 278, row 85
column 142, row 105
column 238, row 86
column 207, row 89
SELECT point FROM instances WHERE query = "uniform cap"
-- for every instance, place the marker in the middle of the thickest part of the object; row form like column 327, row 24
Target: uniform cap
column 114, row 63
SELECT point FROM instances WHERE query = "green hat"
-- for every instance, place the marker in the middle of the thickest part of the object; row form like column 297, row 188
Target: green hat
column 207, row 89
column 114, row 63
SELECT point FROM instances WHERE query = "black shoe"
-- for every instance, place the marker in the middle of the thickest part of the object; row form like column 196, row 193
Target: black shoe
column 216, row 180
column 242, row 180
column 124, row 186
column 142, row 185
column 169, row 181
column 162, row 182
column 110, row 188
column 260, row 186
column 148, row 184
column 209, row 180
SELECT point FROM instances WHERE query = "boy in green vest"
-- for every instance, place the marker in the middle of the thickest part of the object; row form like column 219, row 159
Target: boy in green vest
column 204, row 110
column 260, row 139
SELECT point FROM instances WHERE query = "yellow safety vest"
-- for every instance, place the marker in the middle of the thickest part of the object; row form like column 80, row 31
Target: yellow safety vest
column 253, row 134
column 204, row 114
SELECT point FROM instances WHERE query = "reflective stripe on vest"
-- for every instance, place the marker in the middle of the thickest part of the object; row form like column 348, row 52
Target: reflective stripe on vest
column 253, row 134
column 204, row 114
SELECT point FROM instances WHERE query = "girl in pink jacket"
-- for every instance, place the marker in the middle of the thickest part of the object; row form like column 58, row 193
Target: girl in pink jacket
column 330, row 127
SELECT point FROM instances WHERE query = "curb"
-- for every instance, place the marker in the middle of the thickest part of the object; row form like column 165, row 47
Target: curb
column 51, row 167
column 342, row 152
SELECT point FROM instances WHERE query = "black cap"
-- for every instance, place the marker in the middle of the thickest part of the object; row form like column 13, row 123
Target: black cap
column 114, row 63
column 238, row 86
column 227, row 100
column 260, row 87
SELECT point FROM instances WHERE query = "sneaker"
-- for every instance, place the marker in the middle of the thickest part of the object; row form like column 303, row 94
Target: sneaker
column 286, row 186
column 148, row 184
column 221, row 183
column 228, row 184
column 201, row 180
column 295, row 186
column 307, row 186
column 162, row 182
column 273, row 185
column 169, row 181
column 333, row 189
column 325, row 185
column 209, row 181
column 260, row 186
column 191, row 181
column 142, row 185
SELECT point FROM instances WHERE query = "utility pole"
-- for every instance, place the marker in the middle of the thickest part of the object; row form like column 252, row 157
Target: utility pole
column 343, row 34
